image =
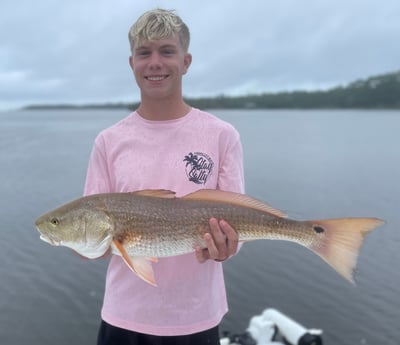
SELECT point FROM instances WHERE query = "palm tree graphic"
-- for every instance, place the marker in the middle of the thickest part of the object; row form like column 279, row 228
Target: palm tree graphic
column 191, row 159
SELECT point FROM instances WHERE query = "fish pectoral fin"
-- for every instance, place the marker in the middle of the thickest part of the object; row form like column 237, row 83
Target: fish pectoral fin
column 157, row 193
column 234, row 199
column 138, row 264
column 142, row 266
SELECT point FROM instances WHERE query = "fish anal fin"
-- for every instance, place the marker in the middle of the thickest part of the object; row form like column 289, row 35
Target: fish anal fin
column 234, row 199
column 158, row 193
column 138, row 264
column 341, row 240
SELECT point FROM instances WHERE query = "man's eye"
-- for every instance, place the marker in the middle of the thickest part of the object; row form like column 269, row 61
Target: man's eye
column 167, row 52
column 143, row 53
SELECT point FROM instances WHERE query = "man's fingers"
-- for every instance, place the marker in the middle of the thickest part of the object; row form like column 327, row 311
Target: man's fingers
column 232, row 239
column 202, row 255
column 217, row 234
column 221, row 242
column 218, row 247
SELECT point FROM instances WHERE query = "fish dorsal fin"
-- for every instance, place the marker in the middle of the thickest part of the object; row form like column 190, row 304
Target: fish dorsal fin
column 234, row 199
column 157, row 193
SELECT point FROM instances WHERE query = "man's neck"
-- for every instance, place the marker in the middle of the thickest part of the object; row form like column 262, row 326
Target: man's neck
column 163, row 110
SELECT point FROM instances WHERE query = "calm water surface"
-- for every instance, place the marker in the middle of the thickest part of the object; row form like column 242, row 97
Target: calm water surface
column 311, row 164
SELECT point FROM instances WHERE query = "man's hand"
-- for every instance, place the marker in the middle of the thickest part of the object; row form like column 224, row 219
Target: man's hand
column 222, row 242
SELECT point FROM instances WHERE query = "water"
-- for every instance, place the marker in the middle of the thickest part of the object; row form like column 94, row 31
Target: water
column 311, row 164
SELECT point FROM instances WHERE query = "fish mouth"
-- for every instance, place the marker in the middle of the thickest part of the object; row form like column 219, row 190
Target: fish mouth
column 40, row 225
column 49, row 240
column 46, row 237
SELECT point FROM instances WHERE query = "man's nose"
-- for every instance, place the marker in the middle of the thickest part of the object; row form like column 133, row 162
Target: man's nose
column 155, row 60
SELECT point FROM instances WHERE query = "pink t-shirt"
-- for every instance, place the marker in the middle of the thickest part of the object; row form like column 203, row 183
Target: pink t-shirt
column 193, row 152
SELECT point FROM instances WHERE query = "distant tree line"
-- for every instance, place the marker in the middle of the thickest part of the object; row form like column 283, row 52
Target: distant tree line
column 375, row 92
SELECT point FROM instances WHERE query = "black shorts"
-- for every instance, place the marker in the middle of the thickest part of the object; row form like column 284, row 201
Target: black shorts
column 111, row 335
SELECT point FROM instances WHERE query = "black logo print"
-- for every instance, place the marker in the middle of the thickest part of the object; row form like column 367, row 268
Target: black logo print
column 199, row 167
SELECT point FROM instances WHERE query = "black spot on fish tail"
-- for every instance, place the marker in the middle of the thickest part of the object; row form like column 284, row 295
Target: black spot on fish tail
column 318, row 229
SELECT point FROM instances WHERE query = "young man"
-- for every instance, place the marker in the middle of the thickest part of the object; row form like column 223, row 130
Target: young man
column 166, row 144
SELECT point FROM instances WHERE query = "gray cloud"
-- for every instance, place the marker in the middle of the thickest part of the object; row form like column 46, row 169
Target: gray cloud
column 77, row 51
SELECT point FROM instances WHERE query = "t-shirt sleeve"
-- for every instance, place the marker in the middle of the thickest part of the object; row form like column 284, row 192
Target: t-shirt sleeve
column 97, row 176
column 231, row 171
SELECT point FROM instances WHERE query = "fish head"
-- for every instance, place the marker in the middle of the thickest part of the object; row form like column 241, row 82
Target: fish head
column 87, row 230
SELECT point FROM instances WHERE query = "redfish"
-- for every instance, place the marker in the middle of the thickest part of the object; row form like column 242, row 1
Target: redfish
column 145, row 225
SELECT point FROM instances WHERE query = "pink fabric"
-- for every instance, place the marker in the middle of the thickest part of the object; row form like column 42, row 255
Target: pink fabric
column 184, row 155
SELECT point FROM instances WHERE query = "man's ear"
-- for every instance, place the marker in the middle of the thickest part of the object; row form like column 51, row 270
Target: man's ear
column 187, row 60
column 131, row 61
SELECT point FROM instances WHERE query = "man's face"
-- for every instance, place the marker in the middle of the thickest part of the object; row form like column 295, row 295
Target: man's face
column 158, row 67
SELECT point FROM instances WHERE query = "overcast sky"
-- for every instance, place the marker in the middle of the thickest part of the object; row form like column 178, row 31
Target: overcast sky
column 77, row 51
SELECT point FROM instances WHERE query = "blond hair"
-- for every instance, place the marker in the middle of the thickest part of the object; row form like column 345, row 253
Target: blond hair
column 159, row 24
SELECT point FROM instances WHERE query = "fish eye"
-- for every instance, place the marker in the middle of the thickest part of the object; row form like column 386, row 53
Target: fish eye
column 54, row 221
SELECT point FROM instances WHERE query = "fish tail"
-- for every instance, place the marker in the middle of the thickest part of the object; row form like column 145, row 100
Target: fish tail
column 342, row 241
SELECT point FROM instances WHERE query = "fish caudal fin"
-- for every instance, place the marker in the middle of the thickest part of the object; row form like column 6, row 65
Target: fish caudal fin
column 342, row 241
column 138, row 264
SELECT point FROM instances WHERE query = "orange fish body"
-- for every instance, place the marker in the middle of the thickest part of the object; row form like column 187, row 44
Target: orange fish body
column 145, row 225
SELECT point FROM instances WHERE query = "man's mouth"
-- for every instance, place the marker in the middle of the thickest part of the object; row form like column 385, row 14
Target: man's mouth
column 156, row 77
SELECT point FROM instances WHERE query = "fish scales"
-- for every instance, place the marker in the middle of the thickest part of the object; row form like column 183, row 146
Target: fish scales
column 165, row 227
